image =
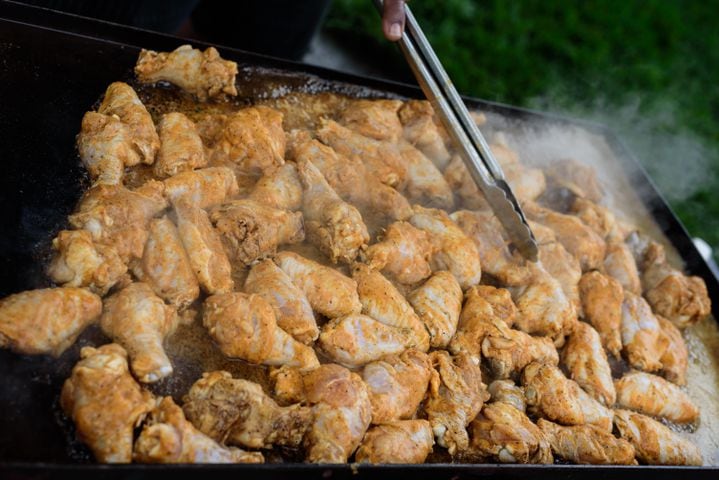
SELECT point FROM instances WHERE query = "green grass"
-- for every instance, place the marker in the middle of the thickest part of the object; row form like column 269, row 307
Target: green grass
column 649, row 69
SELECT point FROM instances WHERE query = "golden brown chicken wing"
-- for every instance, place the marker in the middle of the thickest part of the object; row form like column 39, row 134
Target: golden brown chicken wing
column 203, row 74
column 405, row 441
column 602, row 298
column 562, row 266
column 424, row 184
column 403, row 253
column 139, row 321
column 587, row 444
column 244, row 326
column 374, row 118
column 168, row 437
column 508, row 392
column 619, row 264
column 237, row 412
column 46, row 321
column 421, row 131
column 181, row 147
column 202, row 188
column 105, row 402
column 586, row 362
column 105, row 148
column 292, row 309
column 675, row 358
column 644, row 343
column 581, row 180
column 438, row 303
column 281, row 189
column 598, row 218
column 652, row 395
column 508, row 351
column 654, row 443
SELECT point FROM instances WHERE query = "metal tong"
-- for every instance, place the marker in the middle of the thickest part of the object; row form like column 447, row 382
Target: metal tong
column 483, row 167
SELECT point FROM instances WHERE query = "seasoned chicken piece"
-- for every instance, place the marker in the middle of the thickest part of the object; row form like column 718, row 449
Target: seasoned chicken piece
column 507, row 391
column 507, row 266
column 46, row 321
column 244, row 326
column 562, row 266
column 118, row 217
column 165, row 267
column 78, row 262
column 204, row 249
column 438, row 303
column 655, row 444
column 598, row 218
column 251, row 231
column 292, row 309
column 586, row 362
column 456, row 252
column 455, row 397
column 619, row 264
column 644, row 343
column 587, row 444
column 602, row 298
column 506, row 435
column 425, row 184
column 356, row 340
column 334, row 226
column 579, row 179
column 328, row 291
column 579, row 240
column 168, row 437
column 105, row 148
column 396, row 385
column 203, row 74
column 202, row 188
column 384, row 303
column 675, row 358
column 527, row 183
column 406, row 441
column 140, row 321
column 374, row 118
column 380, row 157
column 484, row 306
column 652, row 395
column 552, row 396
column 181, row 147
column 421, row 131
column 105, row 402
column 281, row 189
column 460, row 181
column 237, row 412
column 508, row 351
column 403, row 253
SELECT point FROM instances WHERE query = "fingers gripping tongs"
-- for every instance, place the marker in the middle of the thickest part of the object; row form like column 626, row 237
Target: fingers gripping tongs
column 477, row 156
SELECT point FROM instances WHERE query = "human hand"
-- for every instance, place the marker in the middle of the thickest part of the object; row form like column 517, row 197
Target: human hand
column 393, row 19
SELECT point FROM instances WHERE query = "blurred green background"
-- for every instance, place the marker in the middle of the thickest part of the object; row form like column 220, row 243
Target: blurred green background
column 648, row 68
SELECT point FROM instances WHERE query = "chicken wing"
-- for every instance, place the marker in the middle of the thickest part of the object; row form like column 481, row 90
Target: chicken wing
column 602, row 298
column 675, row 358
column 424, row 184
column 380, row 157
column 403, row 253
column 587, row 444
column 644, row 343
column 181, row 147
column 202, row 188
column 396, row 385
column 334, row 226
column 421, row 131
column 619, row 264
column 507, row 391
column 586, row 362
column 506, row 435
column 438, row 303
column 406, row 441
column 560, row 265
column 105, row 148
column 460, row 181
column 508, row 351
column 46, row 321
column 552, row 396
column 328, row 291
column 168, row 437
column 456, row 252
column 598, row 218
column 281, row 189
column 105, row 402
column 251, row 232
column 579, row 179
column 374, row 118
column 78, row 262
column 244, row 326
column 203, row 74
column 292, row 309
column 356, row 340
column 384, row 303
column 205, row 252
column 237, row 412
column 455, row 397
column 652, row 395
column 139, row 321
column 484, row 306
column 654, row 443
column 165, row 267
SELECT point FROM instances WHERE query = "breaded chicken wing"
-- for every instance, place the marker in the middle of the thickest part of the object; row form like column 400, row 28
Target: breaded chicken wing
column 558, row 263
column 139, row 321
column 508, row 351
column 281, row 189
column 644, row 343
column 405, row 441
column 202, row 188
column 244, row 326
column 105, row 148
column 421, row 131
column 46, row 321
column 619, row 264
column 438, row 303
column 508, row 392
column 652, row 395
column 587, row 444
column 203, row 74
column 586, row 362
column 679, row 298
column 602, row 298
column 105, row 402
column 403, row 253
column 424, row 184
column 675, row 358
column 374, row 118
column 598, row 218
column 181, row 147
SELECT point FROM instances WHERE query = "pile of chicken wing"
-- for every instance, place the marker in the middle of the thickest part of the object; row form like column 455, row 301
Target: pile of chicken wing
column 358, row 263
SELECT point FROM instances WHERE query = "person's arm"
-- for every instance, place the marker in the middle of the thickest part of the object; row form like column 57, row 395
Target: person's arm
column 393, row 19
